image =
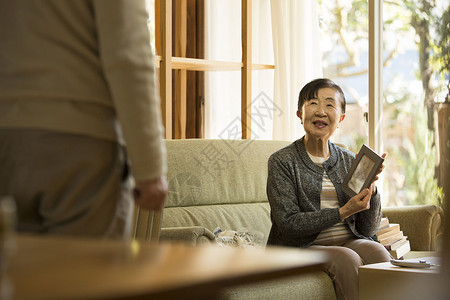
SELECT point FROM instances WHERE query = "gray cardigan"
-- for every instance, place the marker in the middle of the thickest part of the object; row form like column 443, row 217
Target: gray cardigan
column 294, row 185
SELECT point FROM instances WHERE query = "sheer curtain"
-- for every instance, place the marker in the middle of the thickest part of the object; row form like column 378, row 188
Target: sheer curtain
column 285, row 33
column 223, row 88
column 296, row 40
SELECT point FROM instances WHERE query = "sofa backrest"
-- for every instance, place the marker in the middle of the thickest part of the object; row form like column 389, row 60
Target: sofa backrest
column 218, row 183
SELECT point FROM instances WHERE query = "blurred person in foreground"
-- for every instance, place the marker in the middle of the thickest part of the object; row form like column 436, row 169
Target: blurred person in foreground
column 77, row 96
column 308, row 207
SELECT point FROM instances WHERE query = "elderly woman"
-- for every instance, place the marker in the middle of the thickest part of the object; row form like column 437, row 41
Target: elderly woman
column 308, row 207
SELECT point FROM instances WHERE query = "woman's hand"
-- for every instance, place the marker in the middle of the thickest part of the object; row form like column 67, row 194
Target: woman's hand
column 357, row 203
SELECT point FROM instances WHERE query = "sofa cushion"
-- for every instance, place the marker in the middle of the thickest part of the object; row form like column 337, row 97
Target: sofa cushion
column 253, row 216
column 315, row 285
column 194, row 235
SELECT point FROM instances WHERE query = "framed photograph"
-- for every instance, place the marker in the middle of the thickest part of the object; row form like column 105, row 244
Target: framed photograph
column 362, row 172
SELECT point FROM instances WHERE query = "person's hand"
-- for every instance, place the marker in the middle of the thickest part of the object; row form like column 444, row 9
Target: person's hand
column 357, row 203
column 151, row 194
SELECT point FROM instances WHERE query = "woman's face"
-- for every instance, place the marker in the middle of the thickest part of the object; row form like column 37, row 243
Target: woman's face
column 321, row 116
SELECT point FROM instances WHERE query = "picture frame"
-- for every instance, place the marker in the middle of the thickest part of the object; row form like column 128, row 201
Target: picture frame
column 362, row 171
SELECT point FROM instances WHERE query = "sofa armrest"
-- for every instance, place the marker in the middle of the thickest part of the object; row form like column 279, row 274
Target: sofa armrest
column 194, row 235
column 422, row 224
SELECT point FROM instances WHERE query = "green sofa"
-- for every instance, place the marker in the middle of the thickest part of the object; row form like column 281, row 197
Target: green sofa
column 222, row 183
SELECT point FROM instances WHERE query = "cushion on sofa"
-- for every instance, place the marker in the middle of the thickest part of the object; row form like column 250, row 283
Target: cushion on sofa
column 226, row 216
column 194, row 235
column 315, row 285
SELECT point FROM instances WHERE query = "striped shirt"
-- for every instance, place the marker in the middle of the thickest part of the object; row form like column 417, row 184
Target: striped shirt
column 340, row 232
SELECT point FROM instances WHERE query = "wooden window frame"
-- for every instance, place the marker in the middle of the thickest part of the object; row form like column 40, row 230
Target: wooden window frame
column 174, row 82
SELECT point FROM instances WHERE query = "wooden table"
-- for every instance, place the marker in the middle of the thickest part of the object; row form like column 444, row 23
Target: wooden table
column 63, row 268
column 386, row 281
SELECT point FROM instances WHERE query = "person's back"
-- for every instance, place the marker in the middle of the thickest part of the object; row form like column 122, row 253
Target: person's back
column 49, row 62
column 49, row 50
column 82, row 70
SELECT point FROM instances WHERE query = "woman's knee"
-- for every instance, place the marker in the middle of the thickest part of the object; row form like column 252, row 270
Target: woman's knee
column 345, row 258
column 371, row 252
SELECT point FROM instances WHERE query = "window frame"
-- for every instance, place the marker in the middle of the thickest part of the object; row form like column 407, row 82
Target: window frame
column 166, row 63
column 375, row 108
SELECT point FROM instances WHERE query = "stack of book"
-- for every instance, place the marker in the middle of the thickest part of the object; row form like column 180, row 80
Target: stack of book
column 392, row 238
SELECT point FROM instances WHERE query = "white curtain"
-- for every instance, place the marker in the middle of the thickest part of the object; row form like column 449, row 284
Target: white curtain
column 296, row 40
column 223, row 43
column 223, row 88
column 294, row 27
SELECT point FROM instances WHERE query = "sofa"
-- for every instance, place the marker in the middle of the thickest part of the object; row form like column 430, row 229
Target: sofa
column 222, row 183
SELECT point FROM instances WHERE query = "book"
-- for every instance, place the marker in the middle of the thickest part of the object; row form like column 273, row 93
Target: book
column 391, row 239
column 397, row 244
column 399, row 252
column 383, row 223
column 388, row 231
column 386, row 228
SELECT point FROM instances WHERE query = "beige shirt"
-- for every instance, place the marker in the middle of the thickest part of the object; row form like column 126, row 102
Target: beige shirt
column 83, row 67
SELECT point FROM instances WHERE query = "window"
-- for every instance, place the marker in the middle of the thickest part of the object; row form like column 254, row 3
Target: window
column 172, row 50
column 404, row 120
column 345, row 59
column 223, row 107
column 411, row 89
